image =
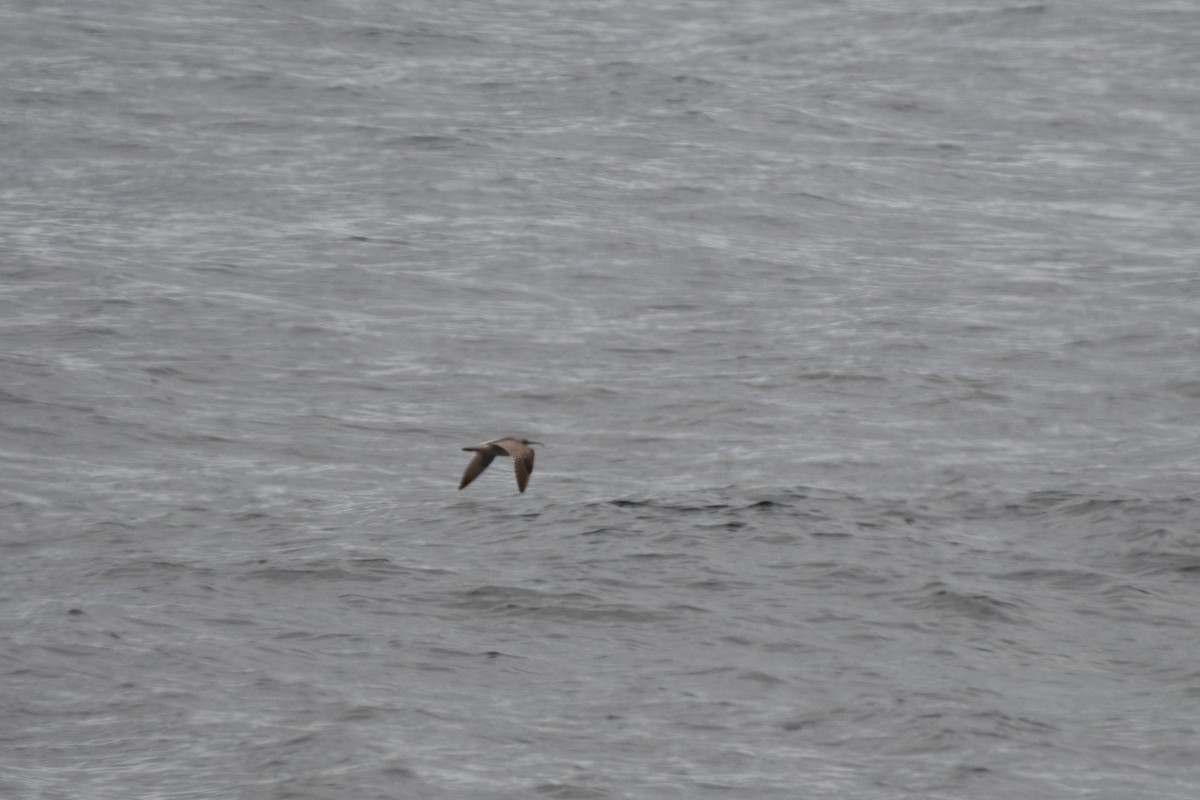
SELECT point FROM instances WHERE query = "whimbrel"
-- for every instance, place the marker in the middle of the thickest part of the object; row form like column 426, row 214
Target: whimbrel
column 519, row 449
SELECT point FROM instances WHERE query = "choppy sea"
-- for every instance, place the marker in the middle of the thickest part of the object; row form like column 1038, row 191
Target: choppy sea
column 863, row 338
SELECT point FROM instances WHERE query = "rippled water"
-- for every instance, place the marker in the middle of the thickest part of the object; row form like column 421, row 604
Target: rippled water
column 862, row 338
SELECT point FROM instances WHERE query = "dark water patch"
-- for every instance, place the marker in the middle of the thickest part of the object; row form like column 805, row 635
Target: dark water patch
column 659, row 556
column 953, row 729
column 715, row 585
column 603, row 532
column 671, row 508
column 335, row 570
column 158, row 569
column 15, row 399
column 518, row 602
column 428, row 142
column 764, row 678
column 829, row 576
column 968, row 605
column 1162, row 562
column 732, row 500
column 571, row 791
column 1057, row 578
column 732, row 525
column 1099, row 504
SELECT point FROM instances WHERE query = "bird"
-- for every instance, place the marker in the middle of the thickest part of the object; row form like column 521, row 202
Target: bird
column 522, row 456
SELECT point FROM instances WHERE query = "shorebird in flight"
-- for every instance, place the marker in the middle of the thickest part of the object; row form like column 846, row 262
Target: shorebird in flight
column 519, row 449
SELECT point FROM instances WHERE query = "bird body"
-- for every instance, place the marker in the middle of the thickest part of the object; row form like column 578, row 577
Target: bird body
column 519, row 449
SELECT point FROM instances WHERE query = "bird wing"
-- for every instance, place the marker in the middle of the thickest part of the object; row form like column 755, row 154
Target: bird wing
column 478, row 464
column 522, row 457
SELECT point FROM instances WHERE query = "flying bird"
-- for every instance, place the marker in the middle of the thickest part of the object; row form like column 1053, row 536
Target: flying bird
column 522, row 456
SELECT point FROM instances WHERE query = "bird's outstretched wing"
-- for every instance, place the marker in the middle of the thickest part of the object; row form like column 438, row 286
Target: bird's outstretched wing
column 478, row 464
column 522, row 457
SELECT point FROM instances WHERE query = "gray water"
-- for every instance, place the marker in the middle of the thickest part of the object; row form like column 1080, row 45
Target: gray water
column 862, row 337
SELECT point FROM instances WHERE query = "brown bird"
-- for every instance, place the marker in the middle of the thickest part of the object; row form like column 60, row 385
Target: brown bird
column 522, row 457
